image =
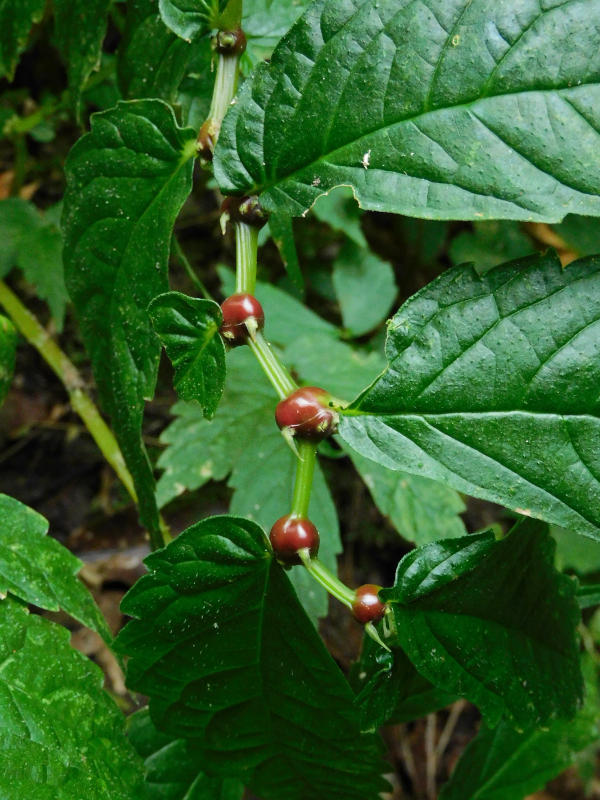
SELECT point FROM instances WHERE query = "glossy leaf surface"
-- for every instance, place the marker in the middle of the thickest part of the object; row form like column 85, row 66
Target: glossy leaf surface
column 188, row 327
column 126, row 181
column 62, row 736
column 249, row 678
column 37, row 569
column 16, row 20
column 475, row 110
column 505, row 764
column 492, row 621
column 492, row 388
column 8, row 348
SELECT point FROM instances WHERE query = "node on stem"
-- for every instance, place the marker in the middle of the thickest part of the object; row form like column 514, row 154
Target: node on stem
column 243, row 209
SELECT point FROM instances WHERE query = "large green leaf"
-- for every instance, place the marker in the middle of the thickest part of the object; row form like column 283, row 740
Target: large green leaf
column 126, row 181
column 248, row 676
column 8, row 349
column 455, row 109
column 171, row 766
column 505, row 764
column 244, row 443
column 80, row 29
column 61, row 736
column 37, row 569
column 494, row 622
column 189, row 329
column 16, row 20
column 492, row 387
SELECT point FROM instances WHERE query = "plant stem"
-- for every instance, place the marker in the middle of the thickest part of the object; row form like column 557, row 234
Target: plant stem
column 278, row 375
column 64, row 368
column 180, row 256
column 327, row 579
column 305, row 470
column 246, row 250
column 232, row 16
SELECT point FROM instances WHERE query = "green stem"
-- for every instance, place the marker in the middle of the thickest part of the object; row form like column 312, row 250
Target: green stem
column 180, row 256
column 63, row 367
column 327, row 579
column 305, row 470
column 224, row 90
column 232, row 16
column 246, row 250
column 277, row 374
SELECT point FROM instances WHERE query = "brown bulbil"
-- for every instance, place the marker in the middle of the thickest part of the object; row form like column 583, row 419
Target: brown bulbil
column 367, row 607
column 305, row 414
column 291, row 534
column 230, row 43
column 242, row 317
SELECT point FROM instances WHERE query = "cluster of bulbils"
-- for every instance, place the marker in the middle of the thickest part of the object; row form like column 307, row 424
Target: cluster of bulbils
column 307, row 415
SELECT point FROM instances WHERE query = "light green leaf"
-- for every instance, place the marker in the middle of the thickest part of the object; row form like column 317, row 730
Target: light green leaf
column 365, row 287
column 16, row 19
column 575, row 552
column 244, row 443
column 172, row 771
column 282, row 231
column 456, row 109
column 62, row 737
column 490, row 244
column 37, row 569
column 582, row 234
column 8, row 350
column 274, row 706
column 80, row 27
column 529, row 439
column 505, row 764
column 191, row 18
column 420, row 509
column 126, row 181
column 265, row 22
column 339, row 209
column 188, row 327
column 494, row 622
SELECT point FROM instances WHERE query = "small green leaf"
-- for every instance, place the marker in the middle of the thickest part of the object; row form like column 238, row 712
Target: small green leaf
column 490, row 244
column 505, row 764
column 529, row 440
column 575, row 552
column 445, row 110
column 274, row 706
column 80, row 30
column 37, row 569
column 191, row 18
column 172, row 766
column 582, row 234
column 265, row 22
column 8, row 351
column 588, row 596
column 188, row 327
column 494, row 622
column 365, row 287
column 126, row 181
column 339, row 209
column 282, row 232
column 16, row 19
column 17, row 219
column 62, row 737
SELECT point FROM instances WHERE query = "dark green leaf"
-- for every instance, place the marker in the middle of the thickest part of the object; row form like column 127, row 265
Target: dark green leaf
column 188, row 327
column 490, row 244
column 152, row 60
column 17, row 219
column 8, row 349
column 249, row 678
column 126, row 181
column 282, row 232
column 37, row 569
column 191, row 18
column 494, row 622
column 365, row 287
column 80, row 29
column 243, row 442
column 16, row 20
column 62, row 737
column 505, row 764
column 172, row 766
column 582, row 234
column 529, row 439
column 451, row 110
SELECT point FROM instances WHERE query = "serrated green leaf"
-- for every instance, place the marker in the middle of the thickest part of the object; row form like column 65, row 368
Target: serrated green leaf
column 8, row 350
column 80, row 27
column 171, row 766
column 191, row 18
column 452, row 110
column 244, row 443
column 16, row 20
column 188, row 327
column 275, row 706
column 126, row 181
column 420, row 509
column 490, row 244
column 62, row 737
column 494, row 622
column 37, row 569
column 529, row 440
column 505, row 764
column 365, row 287
column 152, row 60
column 390, row 690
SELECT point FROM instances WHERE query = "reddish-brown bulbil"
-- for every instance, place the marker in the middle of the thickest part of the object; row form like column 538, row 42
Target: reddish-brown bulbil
column 367, row 607
column 242, row 313
column 291, row 534
column 306, row 414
